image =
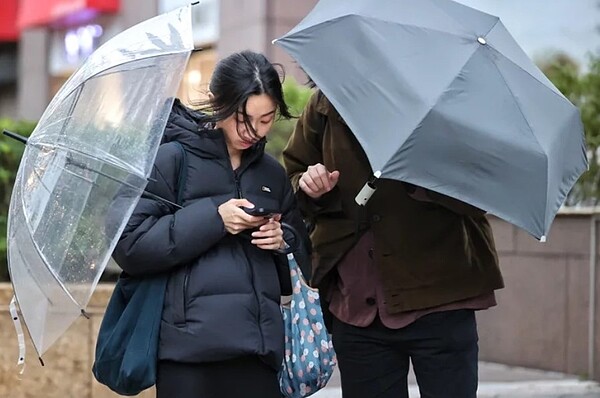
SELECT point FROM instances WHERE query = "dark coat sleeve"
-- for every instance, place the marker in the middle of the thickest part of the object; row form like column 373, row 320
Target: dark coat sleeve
column 305, row 148
column 299, row 242
column 158, row 237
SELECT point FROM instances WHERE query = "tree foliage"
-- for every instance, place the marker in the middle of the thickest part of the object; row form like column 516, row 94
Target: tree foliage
column 582, row 88
column 10, row 156
column 296, row 96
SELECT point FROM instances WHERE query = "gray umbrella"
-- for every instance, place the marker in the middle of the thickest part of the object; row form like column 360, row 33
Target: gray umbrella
column 440, row 95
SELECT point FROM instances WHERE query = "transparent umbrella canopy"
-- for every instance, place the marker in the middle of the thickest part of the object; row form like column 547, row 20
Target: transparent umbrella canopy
column 85, row 167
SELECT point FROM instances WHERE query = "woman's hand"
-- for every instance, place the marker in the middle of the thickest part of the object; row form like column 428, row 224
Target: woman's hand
column 270, row 235
column 237, row 220
column 317, row 180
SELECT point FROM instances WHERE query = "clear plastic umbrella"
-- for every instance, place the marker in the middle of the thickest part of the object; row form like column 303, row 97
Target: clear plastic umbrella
column 95, row 143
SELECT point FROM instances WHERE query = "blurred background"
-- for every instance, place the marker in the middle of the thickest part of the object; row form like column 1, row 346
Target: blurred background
column 547, row 316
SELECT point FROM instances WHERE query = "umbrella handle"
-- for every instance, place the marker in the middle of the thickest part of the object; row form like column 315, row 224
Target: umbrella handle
column 367, row 190
column 20, row 335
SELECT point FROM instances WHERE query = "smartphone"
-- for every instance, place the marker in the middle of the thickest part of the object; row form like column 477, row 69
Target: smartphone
column 261, row 212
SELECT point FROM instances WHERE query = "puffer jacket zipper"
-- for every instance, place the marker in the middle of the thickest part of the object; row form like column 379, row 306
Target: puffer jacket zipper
column 238, row 189
column 188, row 268
column 186, row 278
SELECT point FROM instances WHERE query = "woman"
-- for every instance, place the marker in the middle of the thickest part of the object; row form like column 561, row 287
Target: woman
column 221, row 330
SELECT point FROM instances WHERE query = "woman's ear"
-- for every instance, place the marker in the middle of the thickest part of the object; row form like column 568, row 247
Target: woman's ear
column 210, row 95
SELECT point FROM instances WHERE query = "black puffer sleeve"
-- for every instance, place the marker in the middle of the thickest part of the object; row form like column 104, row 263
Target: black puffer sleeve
column 158, row 237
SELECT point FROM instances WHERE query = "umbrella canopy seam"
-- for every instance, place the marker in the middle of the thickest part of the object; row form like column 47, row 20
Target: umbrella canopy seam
column 124, row 62
column 430, row 108
column 514, row 98
column 333, row 21
column 562, row 97
column 109, row 160
column 460, row 22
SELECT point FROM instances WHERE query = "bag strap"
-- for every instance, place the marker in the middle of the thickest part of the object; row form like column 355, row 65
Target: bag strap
column 183, row 168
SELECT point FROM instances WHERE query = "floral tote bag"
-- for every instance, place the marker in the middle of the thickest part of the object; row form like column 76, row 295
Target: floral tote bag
column 309, row 358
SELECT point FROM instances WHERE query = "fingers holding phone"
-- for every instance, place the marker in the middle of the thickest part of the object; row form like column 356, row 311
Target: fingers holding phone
column 237, row 220
column 270, row 235
column 261, row 212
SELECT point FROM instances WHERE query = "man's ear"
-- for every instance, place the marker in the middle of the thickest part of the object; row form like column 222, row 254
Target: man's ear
column 210, row 95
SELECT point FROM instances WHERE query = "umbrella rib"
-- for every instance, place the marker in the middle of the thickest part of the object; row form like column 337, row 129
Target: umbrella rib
column 517, row 102
column 30, row 274
column 460, row 22
column 39, row 285
column 114, row 163
column 124, row 63
column 372, row 18
column 56, row 278
column 438, row 99
column 154, row 196
column 35, row 134
column 62, row 285
column 526, row 71
column 84, row 167
column 321, row 24
column 530, row 129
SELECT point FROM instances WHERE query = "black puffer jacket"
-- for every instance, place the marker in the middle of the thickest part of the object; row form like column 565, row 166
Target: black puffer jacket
column 222, row 299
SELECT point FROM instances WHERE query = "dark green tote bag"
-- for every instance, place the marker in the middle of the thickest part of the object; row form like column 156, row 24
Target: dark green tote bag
column 127, row 346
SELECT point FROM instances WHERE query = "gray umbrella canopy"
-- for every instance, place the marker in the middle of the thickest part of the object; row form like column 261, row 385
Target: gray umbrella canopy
column 440, row 95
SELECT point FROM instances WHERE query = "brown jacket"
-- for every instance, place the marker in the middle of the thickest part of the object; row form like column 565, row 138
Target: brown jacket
column 429, row 252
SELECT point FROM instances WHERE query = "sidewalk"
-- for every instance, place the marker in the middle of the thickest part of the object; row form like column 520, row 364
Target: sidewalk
column 501, row 381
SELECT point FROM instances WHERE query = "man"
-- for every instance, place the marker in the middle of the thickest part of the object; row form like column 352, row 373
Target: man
column 400, row 277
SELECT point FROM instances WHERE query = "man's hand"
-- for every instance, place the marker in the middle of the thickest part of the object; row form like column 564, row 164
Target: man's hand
column 317, row 180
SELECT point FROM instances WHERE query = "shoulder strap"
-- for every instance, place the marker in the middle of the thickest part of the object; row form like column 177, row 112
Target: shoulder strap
column 182, row 174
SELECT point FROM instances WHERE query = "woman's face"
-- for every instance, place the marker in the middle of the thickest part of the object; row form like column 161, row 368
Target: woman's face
column 261, row 111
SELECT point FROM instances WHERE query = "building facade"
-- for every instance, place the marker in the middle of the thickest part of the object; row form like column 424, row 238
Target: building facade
column 54, row 37
column 9, row 38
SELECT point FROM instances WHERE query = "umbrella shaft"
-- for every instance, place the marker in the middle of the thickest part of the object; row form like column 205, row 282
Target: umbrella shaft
column 22, row 139
column 15, row 136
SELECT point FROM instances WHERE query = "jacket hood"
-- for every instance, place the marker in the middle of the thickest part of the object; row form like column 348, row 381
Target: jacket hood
column 187, row 126
column 183, row 122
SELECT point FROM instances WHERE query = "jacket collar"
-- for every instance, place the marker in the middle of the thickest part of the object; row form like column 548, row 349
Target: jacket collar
column 324, row 107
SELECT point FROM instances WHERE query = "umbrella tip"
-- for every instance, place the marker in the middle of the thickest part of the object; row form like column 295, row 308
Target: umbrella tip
column 273, row 41
column 482, row 41
column 543, row 239
column 15, row 136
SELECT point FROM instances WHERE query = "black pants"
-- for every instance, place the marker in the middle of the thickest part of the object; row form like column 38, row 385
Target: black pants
column 242, row 377
column 443, row 349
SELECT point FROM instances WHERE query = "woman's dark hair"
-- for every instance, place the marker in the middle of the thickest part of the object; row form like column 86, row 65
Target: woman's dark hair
column 235, row 79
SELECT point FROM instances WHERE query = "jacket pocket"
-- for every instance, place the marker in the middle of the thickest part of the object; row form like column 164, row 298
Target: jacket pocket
column 177, row 296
